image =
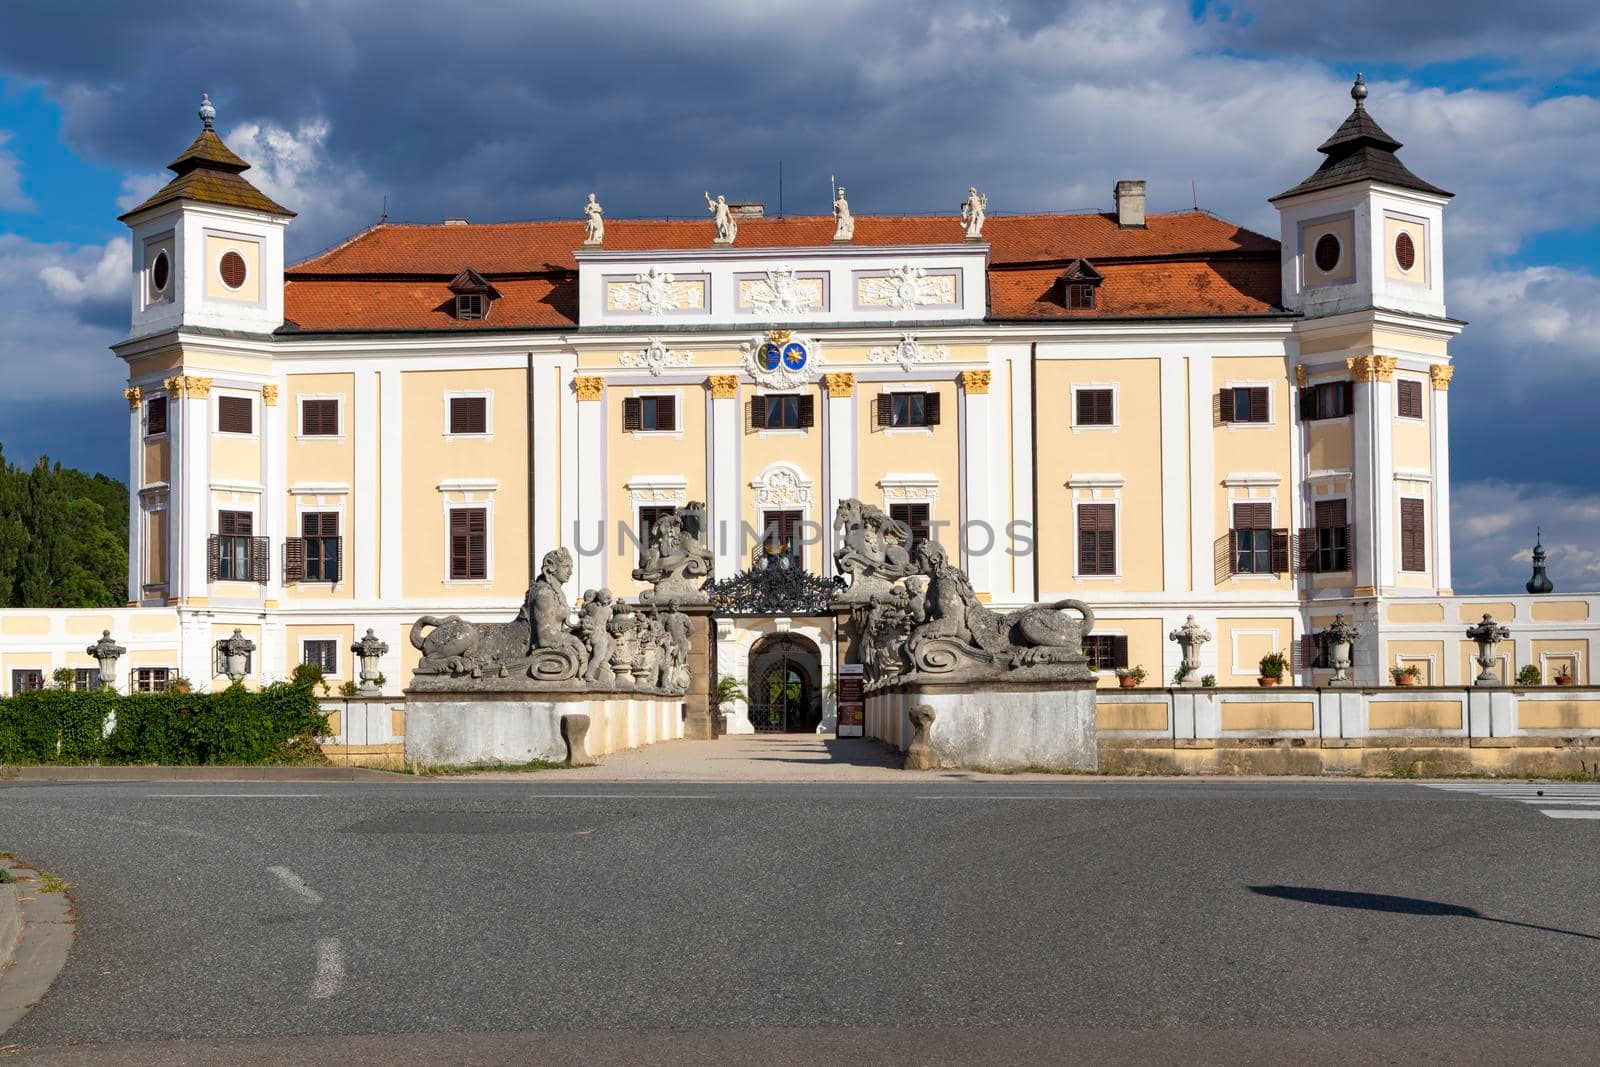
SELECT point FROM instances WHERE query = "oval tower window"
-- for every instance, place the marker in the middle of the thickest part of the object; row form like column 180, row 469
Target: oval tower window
column 160, row 272
column 232, row 269
column 1405, row 252
column 1326, row 254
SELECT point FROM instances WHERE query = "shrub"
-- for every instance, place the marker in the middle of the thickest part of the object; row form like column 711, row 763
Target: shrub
column 1529, row 675
column 1208, row 681
column 233, row 726
column 1273, row 664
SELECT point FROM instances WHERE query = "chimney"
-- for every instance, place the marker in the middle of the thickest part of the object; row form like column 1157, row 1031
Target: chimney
column 746, row 211
column 1130, row 203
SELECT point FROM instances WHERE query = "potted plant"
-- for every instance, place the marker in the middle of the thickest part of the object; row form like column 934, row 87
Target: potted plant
column 1208, row 681
column 1179, row 675
column 1564, row 674
column 1529, row 675
column 727, row 691
column 1406, row 675
column 1129, row 677
column 1272, row 668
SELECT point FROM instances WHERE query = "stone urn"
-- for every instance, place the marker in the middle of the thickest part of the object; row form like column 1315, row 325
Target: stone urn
column 368, row 651
column 106, row 652
column 1189, row 637
column 1340, row 639
column 1488, row 634
column 233, row 655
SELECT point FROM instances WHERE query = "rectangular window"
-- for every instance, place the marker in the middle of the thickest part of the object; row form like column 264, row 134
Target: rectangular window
column 1408, row 394
column 780, row 533
column 915, row 517
column 1094, row 407
column 1252, row 539
column 469, row 306
column 469, row 544
column 26, row 681
column 907, row 409
column 1332, row 554
column 648, row 514
column 155, row 416
column 86, row 678
column 322, row 654
column 234, row 543
column 319, row 417
column 1097, row 539
column 1326, row 400
column 783, row 411
column 1245, row 404
column 1106, row 652
column 1413, row 535
column 319, row 534
column 1080, row 296
column 469, row 414
column 151, row 679
column 650, row 414
column 235, row 414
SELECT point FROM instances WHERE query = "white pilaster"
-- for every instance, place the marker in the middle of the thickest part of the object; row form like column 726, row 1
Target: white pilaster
column 1202, row 507
column 1386, row 541
column 997, row 472
column 1174, row 476
column 1025, row 566
column 723, row 521
column 361, row 549
column 195, row 657
column 196, row 492
column 136, row 551
column 274, row 498
column 1364, row 485
column 391, row 546
column 1441, row 491
column 549, row 388
column 842, row 468
column 977, row 545
column 589, row 525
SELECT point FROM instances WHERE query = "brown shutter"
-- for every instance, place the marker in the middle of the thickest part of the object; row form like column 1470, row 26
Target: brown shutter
column 1305, row 549
column 234, row 414
column 1119, row 651
column 1280, row 551
column 1094, row 407
column 319, row 418
column 930, row 409
column 756, row 412
column 1411, row 398
column 469, row 414
column 632, row 413
column 260, row 564
column 1413, row 547
column 1259, row 399
column 156, row 416
column 478, row 542
column 213, row 557
column 883, row 409
column 1306, row 651
column 666, row 413
column 1308, row 403
column 294, row 559
column 338, row 559
column 1349, row 389
column 808, row 411
column 1331, row 513
column 1225, row 406
column 1222, row 558
column 1097, row 539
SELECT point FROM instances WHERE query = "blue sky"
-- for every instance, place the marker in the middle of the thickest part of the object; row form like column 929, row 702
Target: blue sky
column 521, row 109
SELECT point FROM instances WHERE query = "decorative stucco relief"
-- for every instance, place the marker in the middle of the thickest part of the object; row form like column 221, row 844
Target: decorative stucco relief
column 906, row 287
column 908, row 353
column 656, row 292
column 656, row 357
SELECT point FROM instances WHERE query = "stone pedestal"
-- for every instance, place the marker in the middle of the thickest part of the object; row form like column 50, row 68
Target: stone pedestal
column 473, row 729
column 699, row 722
column 1002, row 726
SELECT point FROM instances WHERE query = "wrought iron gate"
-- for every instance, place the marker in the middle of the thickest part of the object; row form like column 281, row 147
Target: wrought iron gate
column 782, row 695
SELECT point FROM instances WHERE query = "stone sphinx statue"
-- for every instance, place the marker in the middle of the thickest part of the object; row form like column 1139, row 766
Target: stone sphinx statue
column 674, row 561
column 949, row 635
column 872, row 551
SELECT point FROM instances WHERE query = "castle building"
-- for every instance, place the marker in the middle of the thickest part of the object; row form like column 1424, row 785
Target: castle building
column 1161, row 414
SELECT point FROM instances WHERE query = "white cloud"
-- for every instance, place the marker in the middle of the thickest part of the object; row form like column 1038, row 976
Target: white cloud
column 12, row 198
column 87, row 275
column 136, row 188
column 57, row 332
column 296, row 168
column 1493, row 532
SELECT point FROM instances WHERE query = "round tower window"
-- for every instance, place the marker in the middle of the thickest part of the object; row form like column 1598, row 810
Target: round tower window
column 160, row 272
column 1326, row 253
column 1405, row 252
column 232, row 269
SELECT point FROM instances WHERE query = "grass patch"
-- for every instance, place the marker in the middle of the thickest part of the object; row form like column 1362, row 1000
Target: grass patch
column 450, row 770
column 50, row 883
column 5, row 877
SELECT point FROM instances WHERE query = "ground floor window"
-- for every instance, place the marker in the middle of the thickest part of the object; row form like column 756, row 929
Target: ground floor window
column 322, row 653
column 151, row 679
column 26, row 680
column 916, row 518
column 85, row 679
column 1106, row 652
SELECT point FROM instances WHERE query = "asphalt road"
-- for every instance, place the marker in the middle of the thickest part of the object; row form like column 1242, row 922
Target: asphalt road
column 551, row 920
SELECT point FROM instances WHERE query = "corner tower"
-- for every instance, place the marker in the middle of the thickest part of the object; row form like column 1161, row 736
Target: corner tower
column 208, row 245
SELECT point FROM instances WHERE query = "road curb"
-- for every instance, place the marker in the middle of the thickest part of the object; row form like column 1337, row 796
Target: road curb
column 10, row 923
column 46, row 926
column 49, row 773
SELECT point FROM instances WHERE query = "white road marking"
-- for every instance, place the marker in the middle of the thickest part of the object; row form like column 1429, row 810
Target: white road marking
column 330, row 968
column 999, row 796
column 1553, row 801
column 620, row 796
column 231, row 796
column 296, row 885
column 1570, row 813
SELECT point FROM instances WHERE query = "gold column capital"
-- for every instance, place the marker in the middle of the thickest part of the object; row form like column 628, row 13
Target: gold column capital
column 174, row 385
column 840, row 383
column 1383, row 368
column 269, row 395
column 589, row 386
column 134, row 396
column 196, row 388
column 1440, row 376
column 1300, row 375
column 723, row 386
column 975, row 381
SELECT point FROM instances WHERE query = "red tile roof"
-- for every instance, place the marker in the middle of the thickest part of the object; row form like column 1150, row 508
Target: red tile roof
column 396, row 277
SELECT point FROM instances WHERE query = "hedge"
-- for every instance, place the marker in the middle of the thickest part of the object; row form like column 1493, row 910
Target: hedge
column 274, row 725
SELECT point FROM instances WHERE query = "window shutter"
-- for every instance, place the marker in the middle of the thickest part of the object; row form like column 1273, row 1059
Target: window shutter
column 1409, row 393
column 1225, row 409
column 1305, row 552
column 883, row 409
column 1119, row 651
column 338, row 559
column 1233, row 551
column 1331, row 513
column 1308, row 403
column 1280, row 551
column 1413, row 546
column 478, row 543
column 1222, row 558
column 213, row 557
column 234, row 414
column 930, row 409
column 319, row 418
column 294, row 559
column 156, row 420
column 632, row 413
column 1349, row 389
column 469, row 414
column 1305, row 652
column 260, row 564
column 666, row 413
column 756, row 412
column 808, row 411
column 1259, row 399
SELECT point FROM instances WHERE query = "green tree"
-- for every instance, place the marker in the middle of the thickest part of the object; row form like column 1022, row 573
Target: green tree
column 63, row 537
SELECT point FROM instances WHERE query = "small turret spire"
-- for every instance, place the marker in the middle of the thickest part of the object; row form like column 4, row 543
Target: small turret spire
column 1358, row 92
column 208, row 114
column 1540, row 582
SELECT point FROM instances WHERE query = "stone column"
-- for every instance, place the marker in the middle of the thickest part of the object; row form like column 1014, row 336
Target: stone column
column 842, row 463
column 1372, row 481
column 589, row 526
column 135, row 398
column 698, row 724
column 723, row 522
column 274, row 492
column 975, row 442
column 1440, row 519
column 196, row 486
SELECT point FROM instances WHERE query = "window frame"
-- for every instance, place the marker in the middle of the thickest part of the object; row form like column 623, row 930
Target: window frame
column 796, row 549
column 487, row 396
column 40, row 672
column 329, row 639
column 1410, row 384
column 450, row 508
column 928, row 530
column 166, row 416
column 1116, row 406
column 766, row 400
column 1329, row 550
column 1077, row 289
column 1092, row 645
column 224, row 559
column 137, row 680
column 1077, row 541
column 479, row 314
column 338, row 546
column 78, row 675
column 1340, row 387
column 255, row 414
column 1421, row 507
column 1237, row 387
column 300, row 416
column 654, row 396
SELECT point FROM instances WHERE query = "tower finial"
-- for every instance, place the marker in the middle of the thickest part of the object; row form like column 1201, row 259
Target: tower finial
column 208, row 114
column 1540, row 582
column 1358, row 91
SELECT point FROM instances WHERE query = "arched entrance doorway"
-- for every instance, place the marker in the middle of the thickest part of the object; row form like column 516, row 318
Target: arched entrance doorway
column 785, row 684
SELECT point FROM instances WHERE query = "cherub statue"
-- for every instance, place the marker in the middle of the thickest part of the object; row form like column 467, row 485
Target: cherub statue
column 844, row 223
column 722, row 216
column 672, row 558
column 594, row 622
column 972, row 213
column 595, row 227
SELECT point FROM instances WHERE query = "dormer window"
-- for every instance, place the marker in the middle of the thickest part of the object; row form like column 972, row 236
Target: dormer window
column 1080, row 284
column 473, row 295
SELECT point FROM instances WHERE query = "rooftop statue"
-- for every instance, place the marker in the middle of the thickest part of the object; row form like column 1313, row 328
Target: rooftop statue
column 595, row 226
column 672, row 556
column 722, row 216
column 972, row 213
column 874, row 550
column 844, row 223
